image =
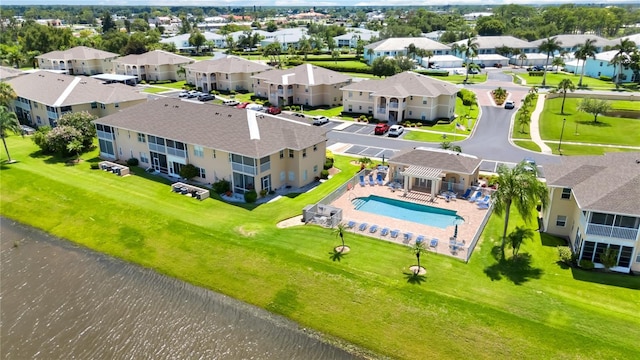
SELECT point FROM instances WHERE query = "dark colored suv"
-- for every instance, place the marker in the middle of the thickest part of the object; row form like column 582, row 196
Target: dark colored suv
column 206, row 97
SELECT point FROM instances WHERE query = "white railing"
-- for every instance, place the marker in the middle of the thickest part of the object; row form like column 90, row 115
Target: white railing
column 105, row 135
column 381, row 110
column 612, row 231
column 247, row 169
column 393, row 105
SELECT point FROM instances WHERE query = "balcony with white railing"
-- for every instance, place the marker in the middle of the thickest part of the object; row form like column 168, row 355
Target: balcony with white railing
column 612, row 231
column 105, row 135
column 381, row 110
column 395, row 106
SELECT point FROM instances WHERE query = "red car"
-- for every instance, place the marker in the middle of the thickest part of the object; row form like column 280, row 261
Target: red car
column 381, row 129
column 273, row 110
column 242, row 105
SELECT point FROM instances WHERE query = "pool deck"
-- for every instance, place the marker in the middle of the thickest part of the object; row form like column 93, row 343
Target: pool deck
column 469, row 211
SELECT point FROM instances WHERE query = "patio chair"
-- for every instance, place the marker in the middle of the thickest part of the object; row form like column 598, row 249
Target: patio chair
column 419, row 239
column 384, row 231
column 371, row 181
column 363, row 226
column 351, row 224
column 379, row 179
column 362, row 180
column 395, row 233
column 485, row 199
column 466, row 194
column 476, row 195
column 433, row 243
column 483, row 205
column 373, row 228
column 408, row 236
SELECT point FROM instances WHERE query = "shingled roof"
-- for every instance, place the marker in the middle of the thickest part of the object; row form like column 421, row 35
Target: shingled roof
column 155, row 57
column 55, row 89
column 228, row 65
column 239, row 131
column 405, row 84
column 78, row 53
column 444, row 160
column 397, row 44
column 305, row 74
column 608, row 183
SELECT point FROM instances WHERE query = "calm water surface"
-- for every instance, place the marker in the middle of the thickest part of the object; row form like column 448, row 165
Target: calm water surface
column 59, row 301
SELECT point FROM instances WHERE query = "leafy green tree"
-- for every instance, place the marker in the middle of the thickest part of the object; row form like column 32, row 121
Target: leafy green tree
column 609, row 258
column 189, row 171
column 304, row 46
column 565, row 85
column 490, row 26
column 136, row 44
column 271, row 26
column 517, row 237
column 82, row 122
column 384, row 66
column 197, row 39
column 7, row 94
column 557, row 62
column 139, row 25
column 585, row 51
column 115, row 42
column 185, row 26
column 75, row 147
column 272, row 51
column 107, row 22
column 594, row 107
column 520, row 187
column 549, row 46
column 8, row 122
column 335, row 55
column 404, row 63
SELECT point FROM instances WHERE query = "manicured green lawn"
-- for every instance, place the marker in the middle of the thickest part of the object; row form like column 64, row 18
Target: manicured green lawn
column 347, row 64
column 431, row 137
column 553, row 79
column 155, row 90
column 571, row 149
column 459, row 79
column 330, row 113
column 532, row 308
column 516, row 131
column 608, row 130
column 462, row 111
column 529, row 145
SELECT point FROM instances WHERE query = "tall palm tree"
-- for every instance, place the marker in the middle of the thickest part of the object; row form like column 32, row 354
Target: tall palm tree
column 470, row 50
column 522, row 57
column 549, row 46
column 518, row 186
column 412, row 51
column 417, row 249
column 564, row 86
column 524, row 118
column 557, row 62
column 340, row 229
column 8, row 122
column 622, row 57
column 428, row 54
column 7, row 94
column 370, row 53
column 586, row 50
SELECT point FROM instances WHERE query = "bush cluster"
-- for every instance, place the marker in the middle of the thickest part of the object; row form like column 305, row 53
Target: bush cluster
column 440, row 73
column 250, row 196
column 566, row 256
column 324, row 174
column 586, row 264
column 364, row 69
column 132, row 162
column 328, row 163
column 467, row 97
column 221, row 186
column 536, row 73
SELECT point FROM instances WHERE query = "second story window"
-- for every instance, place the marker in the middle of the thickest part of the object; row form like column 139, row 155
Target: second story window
column 291, row 153
column 141, row 138
column 566, row 193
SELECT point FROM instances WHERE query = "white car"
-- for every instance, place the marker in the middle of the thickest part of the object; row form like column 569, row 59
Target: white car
column 396, row 130
column 231, row 102
column 320, row 120
column 183, row 93
column 254, row 107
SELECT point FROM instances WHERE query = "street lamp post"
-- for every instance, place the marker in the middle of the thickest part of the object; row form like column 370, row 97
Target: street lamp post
column 561, row 133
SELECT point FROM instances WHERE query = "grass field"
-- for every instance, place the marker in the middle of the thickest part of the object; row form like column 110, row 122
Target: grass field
column 531, row 308
column 572, row 149
column 155, row 90
column 580, row 127
column 553, row 79
column 527, row 144
column 431, row 137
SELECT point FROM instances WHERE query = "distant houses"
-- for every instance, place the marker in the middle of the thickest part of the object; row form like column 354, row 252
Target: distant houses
column 79, row 60
column 157, row 65
column 400, row 47
column 231, row 73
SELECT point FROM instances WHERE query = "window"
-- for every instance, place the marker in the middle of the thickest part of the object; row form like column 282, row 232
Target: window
column 292, row 176
column 198, row 151
column 202, row 172
column 281, row 154
column 411, row 97
column 424, row 101
column 103, row 106
column 117, row 105
column 566, row 193
column 144, row 158
column 304, row 153
column 304, row 175
column 601, row 219
column 359, row 107
column 214, row 153
column 315, row 169
column 626, row 222
column 141, row 138
column 315, row 147
column 351, row 94
column 291, row 153
column 561, row 221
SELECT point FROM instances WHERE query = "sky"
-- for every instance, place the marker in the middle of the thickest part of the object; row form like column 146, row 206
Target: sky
column 296, row 3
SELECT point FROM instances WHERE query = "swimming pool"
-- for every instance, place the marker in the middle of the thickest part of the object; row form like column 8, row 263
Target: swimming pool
column 408, row 211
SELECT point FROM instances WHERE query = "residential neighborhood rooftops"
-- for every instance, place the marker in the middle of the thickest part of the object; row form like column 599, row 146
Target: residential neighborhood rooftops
column 405, row 84
column 155, row 57
column 394, row 44
column 573, row 40
column 305, row 74
column 609, row 183
column 492, row 42
column 182, row 40
column 228, row 65
column 444, row 160
column 240, row 131
column 9, row 72
column 63, row 90
column 78, row 53
column 363, row 34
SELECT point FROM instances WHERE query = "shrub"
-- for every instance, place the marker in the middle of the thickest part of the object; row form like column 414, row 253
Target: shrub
column 328, row 164
column 95, row 166
column 586, row 264
column 263, row 192
column 536, row 73
column 40, row 139
column 250, row 196
column 565, row 254
column 605, row 78
column 132, row 162
column 324, row 174
column 221, row 186
column 440, row 73
column 189, row 171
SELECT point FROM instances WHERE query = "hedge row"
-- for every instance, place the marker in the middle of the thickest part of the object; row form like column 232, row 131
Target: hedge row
column 365, row 69
column 433, row 72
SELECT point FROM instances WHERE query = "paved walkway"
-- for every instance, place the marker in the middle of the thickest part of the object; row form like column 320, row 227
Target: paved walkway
column 534, row 126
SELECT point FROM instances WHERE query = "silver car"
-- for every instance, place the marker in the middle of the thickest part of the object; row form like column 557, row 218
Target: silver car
column 396, row 130
column 320, row 120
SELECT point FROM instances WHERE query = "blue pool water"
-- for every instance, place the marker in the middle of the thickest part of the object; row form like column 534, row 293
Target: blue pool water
column 408, row 211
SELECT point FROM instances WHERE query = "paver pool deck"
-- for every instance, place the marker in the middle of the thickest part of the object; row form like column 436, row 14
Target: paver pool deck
column 469, row 211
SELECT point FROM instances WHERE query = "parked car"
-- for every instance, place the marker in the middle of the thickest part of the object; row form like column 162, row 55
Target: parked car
column 530, row 164
column 509, row 104
column 482, row 66
column 497, row 65
column 473, row 71
column 242, row 105
column 274, row 110
column 193, row 94
column 458, row 72
column 231, row 102
column 320, row 120
column 538, row 68
column 206, row 97
column 396, row 130
column 27, row 130
column 183, row 93
column 298, row 115
column 381, row 129
column 255, row 107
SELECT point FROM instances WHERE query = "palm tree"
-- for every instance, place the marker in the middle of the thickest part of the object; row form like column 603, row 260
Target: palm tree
column 428, row 54
column 517, row 237
column 370, row 53
column 586, row 50
column 470, row 49
column 8, row 122
column 522, row 57
column 524, row 118
column 417, row 249
column 625, row 48
column 446, row 145
column 7, row 95
column 412, row 51
column 564, row 86
column 340, row 229
column 557, row 62
column 518, row 186
column 549, row 46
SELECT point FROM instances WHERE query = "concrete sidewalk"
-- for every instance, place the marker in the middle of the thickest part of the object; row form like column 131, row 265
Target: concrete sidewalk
column 534, row 126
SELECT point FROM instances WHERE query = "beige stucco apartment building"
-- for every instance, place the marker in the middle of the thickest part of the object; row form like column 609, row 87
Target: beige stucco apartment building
column 79, row 60
column 230, row 73
column 252, row 150
column 44, row 96
column 302, row 85
column 157, row 65
column 595, row 203
column 404, row 96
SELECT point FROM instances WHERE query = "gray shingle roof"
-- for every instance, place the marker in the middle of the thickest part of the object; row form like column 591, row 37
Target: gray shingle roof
column 216, row 126
column 9, row 72
column 492, row 42
column 228, row 65
column 155, row 57
column 78, row 53
column 438, row 159
column 569, row 41
column 305, row 74
column 405, row 84
column 56, row 89
column 398, row 44
column 608, row 183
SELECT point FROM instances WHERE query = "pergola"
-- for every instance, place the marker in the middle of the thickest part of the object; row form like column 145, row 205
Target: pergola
column 422, row 172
